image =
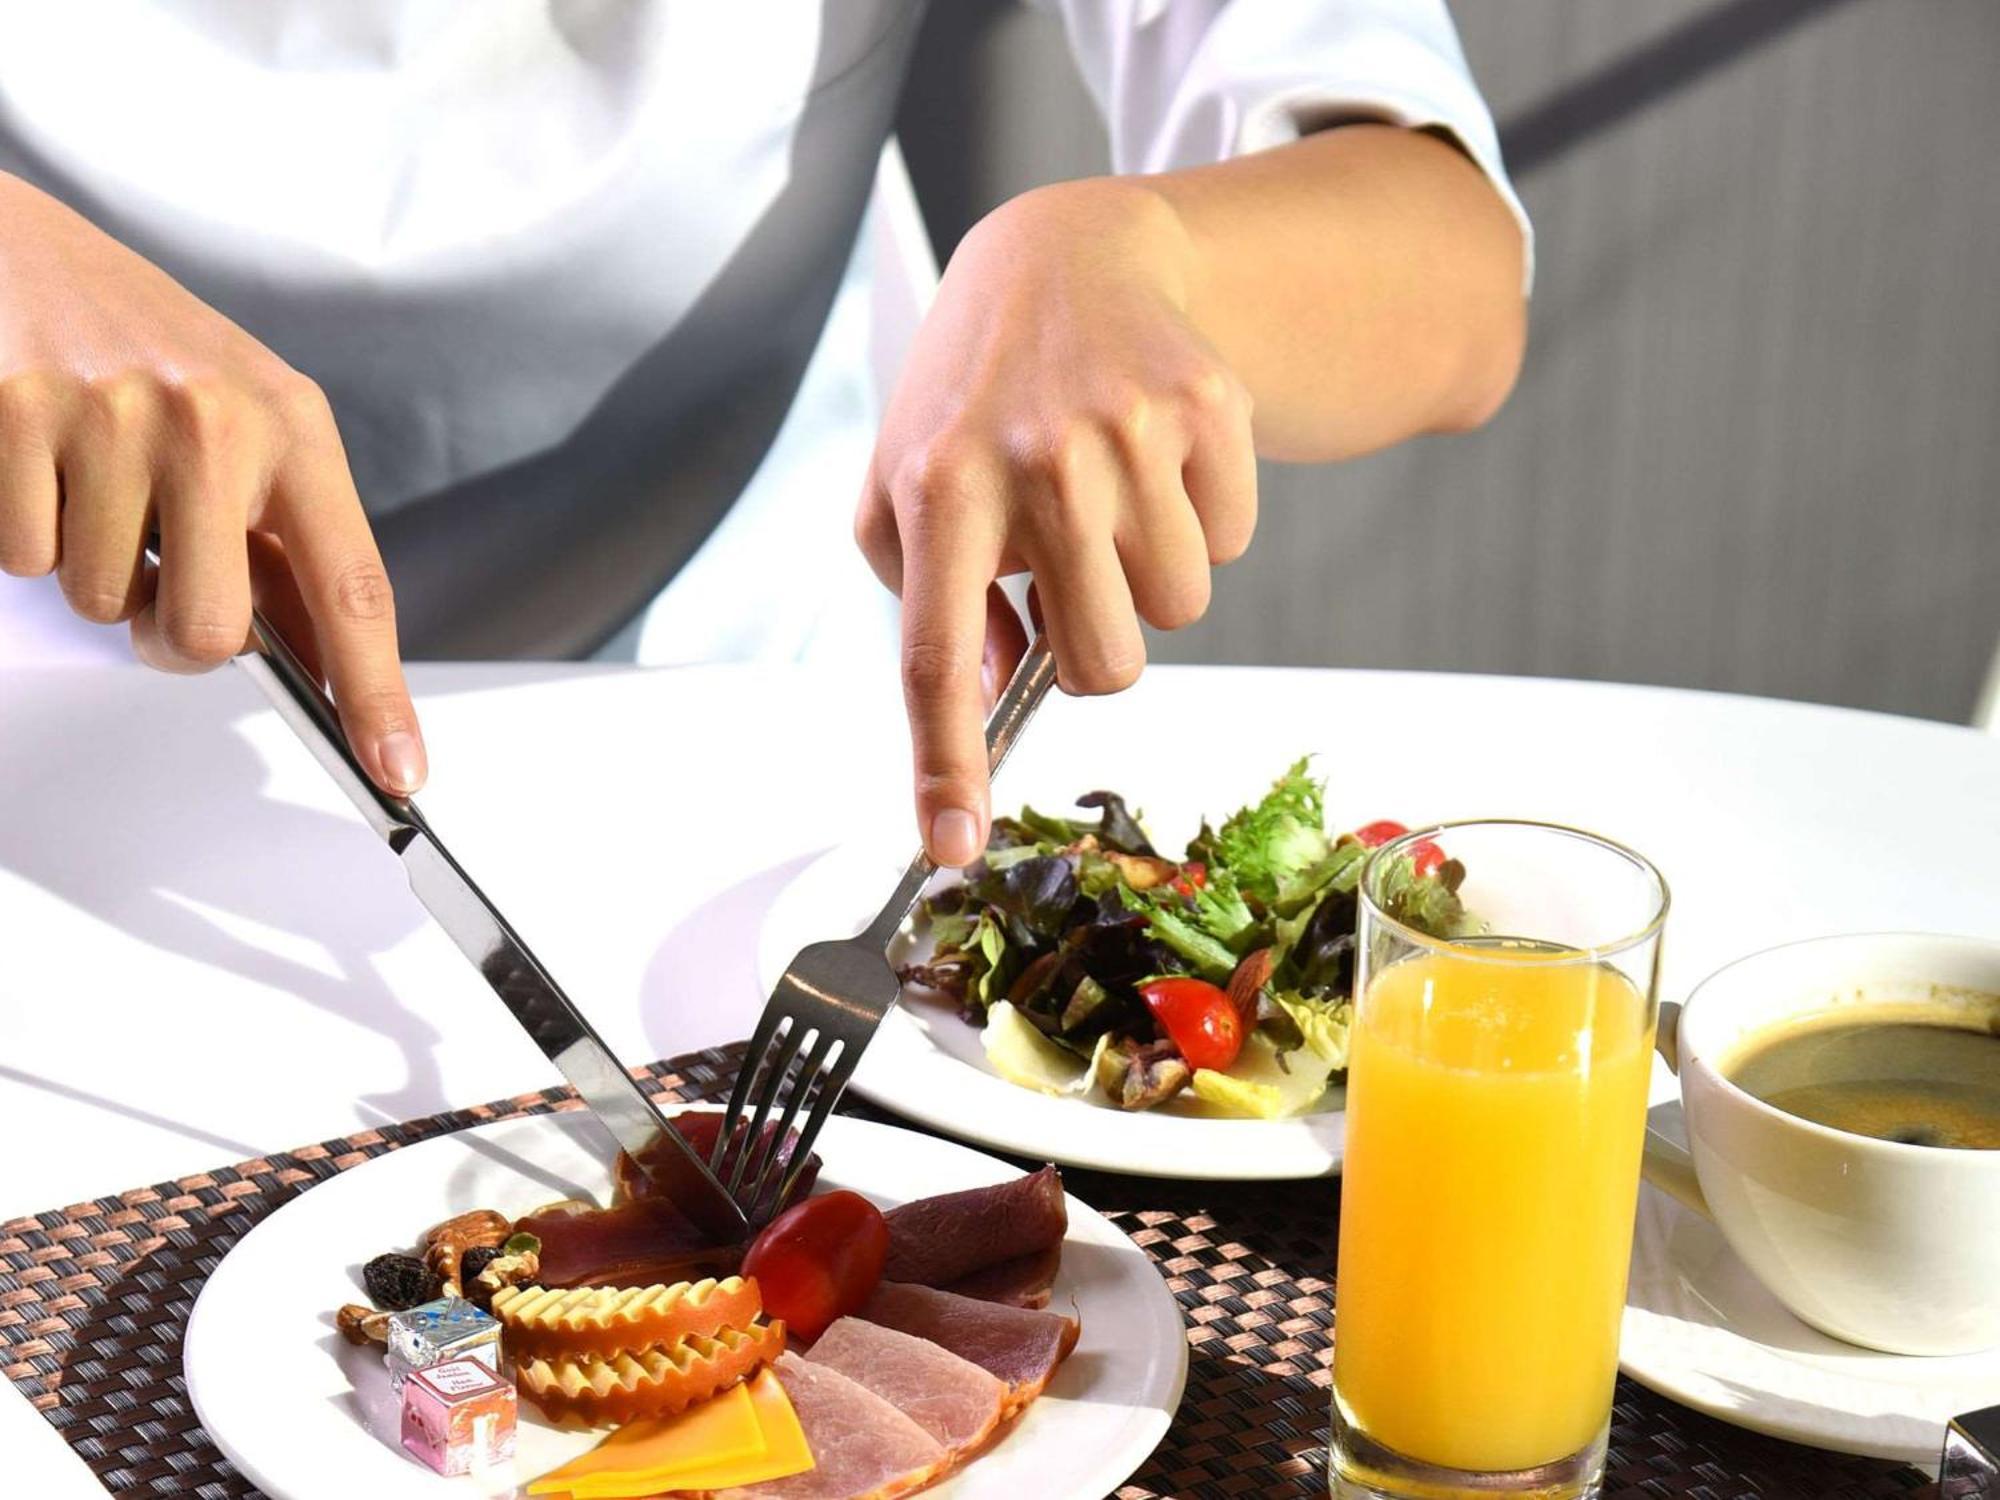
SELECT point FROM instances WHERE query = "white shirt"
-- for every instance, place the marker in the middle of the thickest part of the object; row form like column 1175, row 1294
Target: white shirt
column 558, row 263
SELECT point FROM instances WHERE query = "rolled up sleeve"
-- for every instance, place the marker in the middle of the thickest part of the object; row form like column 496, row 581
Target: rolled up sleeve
column 1183, row 82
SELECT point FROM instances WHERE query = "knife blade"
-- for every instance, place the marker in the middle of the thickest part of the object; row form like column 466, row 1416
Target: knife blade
column 531, row 996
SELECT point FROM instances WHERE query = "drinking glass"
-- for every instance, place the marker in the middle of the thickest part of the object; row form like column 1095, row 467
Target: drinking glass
column 1496, row 1102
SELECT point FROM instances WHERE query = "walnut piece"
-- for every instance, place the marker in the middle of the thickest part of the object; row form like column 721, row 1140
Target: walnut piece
column 446, row 1244
column 508, row 1270
column 362, row 1325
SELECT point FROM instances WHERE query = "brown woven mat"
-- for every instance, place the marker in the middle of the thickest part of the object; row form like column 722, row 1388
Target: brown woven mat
column 94, row 1302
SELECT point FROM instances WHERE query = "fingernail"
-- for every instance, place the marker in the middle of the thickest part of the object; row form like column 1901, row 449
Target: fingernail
column 402, row 761
column 955, row 837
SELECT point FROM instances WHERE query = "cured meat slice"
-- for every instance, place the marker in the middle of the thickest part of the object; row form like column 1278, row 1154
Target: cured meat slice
column 952, row 1399
column 1015, row 1345
column 937, row 1241
column 1025, row 1281
column 700, row 1128
column 863, row 1448
column 646, row 1242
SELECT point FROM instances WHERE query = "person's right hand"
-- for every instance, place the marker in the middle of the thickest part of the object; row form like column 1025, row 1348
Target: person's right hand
column 127, row 405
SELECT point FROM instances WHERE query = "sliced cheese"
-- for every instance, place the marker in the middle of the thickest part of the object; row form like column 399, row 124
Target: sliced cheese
column 724, row 1429
column 786, row 1451
column 783, row 1452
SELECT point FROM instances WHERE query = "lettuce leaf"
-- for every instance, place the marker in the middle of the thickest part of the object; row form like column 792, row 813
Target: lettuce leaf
column 1269, row 846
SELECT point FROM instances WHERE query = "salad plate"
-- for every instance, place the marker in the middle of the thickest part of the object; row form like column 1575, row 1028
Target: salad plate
column 1164, row 996
column 308, row 1416
column 929, row 1065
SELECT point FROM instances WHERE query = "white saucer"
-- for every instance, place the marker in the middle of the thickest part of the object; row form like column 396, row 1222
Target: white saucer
column 1699, row 1328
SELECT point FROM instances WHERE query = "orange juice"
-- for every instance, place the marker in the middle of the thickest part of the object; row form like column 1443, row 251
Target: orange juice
column 1496, row 1103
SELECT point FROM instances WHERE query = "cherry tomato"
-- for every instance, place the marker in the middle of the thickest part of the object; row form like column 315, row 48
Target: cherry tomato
column 1198, row 1018
column 1193, row 877
column 819, row 1260
column 1425, row 857
column 1374, row 835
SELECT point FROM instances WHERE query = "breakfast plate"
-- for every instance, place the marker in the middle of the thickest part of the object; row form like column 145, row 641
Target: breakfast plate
column 1700, row 1329
column 307, row 1416
column 929, row 1065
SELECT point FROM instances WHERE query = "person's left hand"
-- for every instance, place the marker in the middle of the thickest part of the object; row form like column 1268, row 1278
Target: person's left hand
column 1059, row 414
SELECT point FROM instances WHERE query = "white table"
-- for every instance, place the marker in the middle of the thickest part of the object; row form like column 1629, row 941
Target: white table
column 207, row 956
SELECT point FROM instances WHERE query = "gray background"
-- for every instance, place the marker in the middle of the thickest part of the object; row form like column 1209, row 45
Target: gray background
column 1754, row 447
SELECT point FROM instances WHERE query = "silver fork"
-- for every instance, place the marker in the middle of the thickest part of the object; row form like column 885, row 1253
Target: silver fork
column 831, row 1000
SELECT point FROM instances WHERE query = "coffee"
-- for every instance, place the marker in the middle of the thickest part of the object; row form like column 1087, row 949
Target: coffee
column 1922, row 1076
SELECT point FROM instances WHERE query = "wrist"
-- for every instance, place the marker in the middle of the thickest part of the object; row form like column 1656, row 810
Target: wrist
column 1124, row 222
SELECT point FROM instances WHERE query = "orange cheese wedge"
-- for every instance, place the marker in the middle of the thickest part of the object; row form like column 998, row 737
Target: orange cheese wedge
column 748, row 1435
column 722, row 1430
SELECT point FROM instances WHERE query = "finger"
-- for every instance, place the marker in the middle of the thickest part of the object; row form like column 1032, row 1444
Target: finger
column 346, row 591
column 1220, row 472
column 1163, row 550
column 876, row 532
column 947, row 568
column 29, row 491
column 106, row 493
column 1006, row 644
column 1092, row 627
column 276, row 594
column 200, row 614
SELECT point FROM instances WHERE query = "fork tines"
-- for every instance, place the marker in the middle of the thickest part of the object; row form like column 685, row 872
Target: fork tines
column 757, row 1158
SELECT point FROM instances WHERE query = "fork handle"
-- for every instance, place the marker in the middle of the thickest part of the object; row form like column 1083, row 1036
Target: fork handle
column 1025, row 691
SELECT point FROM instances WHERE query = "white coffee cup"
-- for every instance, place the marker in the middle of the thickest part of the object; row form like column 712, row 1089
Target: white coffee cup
column 1877, row 1242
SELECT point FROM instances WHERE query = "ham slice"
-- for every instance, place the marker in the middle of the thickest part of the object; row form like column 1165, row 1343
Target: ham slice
column 941, row 1240
column 952, row 1399
column 1015, row 1345
column 1024, row 1281
column 863, row 1448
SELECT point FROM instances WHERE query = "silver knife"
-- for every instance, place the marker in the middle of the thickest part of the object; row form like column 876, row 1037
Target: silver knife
column 531, row 996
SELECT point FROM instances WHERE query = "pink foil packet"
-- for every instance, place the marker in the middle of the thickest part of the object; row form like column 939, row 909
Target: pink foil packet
column 458, row 1417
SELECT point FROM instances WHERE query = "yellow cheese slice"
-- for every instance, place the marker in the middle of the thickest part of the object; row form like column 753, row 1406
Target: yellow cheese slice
column 635, row 1458
column 786, row 1452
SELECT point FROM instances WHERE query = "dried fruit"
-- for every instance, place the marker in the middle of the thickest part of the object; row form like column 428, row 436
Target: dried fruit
column 397, row 1282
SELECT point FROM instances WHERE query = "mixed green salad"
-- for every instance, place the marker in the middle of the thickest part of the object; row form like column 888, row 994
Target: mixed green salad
column 1098, row 966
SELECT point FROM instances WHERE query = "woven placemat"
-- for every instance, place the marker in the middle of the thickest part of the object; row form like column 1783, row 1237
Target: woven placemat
column 95, row 1298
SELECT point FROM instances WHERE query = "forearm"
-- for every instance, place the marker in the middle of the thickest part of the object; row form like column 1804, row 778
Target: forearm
column 1364, row 283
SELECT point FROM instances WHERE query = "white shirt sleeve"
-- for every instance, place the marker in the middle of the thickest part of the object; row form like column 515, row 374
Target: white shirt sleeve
column 1182, row 82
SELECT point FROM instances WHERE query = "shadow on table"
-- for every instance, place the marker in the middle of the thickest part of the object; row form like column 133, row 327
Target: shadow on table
column 701, row 987
column 186, row 853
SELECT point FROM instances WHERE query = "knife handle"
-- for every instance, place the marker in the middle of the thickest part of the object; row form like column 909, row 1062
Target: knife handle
column 306, row 709
column 304, row 706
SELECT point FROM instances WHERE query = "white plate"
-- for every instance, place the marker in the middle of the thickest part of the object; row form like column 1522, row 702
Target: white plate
column 1699, row 1328
column 928, row 1065
column 307, row 1416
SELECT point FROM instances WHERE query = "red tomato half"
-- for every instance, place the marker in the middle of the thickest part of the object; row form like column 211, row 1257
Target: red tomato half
column 1198, row 1018
column 1374, row 835
column 1193, row 876
column 819, row 1260
column 1425, row 857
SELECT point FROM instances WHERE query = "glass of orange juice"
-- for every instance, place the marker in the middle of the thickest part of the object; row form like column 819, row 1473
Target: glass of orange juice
column 1496, row 1101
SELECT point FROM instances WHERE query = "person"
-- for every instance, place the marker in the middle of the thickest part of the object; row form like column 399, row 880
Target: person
column 510, row 303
